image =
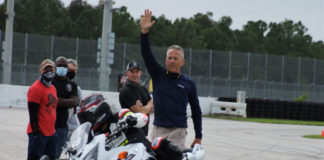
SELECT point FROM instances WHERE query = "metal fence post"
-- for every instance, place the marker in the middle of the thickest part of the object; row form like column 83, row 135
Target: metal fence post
column 241, row 86
column 52, row 47
column 314, row 76
column 229, row 72
column 77, row 49
column 25, row 59
column 228, row 87
column 314, row 71
column 313, row 92
column 295, row 90
column 190, row 60
column 230, row 65
column 212, row 87
column 248, row 67
column 89, row 78
column 253, row 91
column 298, row 91
column 265, row 75
column 282, row 68
column 282, row 72
column 124, row 61
column 299, row 70
column 198, row 86
column 210, row 70
column 247, row 72
column 299, row 73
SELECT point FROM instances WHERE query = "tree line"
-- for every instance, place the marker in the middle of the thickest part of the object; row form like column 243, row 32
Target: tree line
column 201, row 31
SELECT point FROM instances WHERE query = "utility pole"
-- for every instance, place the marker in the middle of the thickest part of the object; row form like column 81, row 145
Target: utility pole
column 106, row 29
column 7, row 55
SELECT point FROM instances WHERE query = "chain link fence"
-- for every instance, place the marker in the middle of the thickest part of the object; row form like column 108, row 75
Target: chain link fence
column 216, row 73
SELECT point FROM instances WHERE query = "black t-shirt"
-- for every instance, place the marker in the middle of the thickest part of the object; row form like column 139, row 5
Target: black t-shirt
column 65, row 89
column 130, row 93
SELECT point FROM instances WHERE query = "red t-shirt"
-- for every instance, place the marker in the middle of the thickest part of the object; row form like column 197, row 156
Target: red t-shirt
column 47, row 99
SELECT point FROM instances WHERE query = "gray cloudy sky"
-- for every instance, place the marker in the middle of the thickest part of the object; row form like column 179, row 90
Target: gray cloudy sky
column 309, row 12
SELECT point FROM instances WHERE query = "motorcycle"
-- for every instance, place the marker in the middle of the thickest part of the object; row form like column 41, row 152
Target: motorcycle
column 119, row 145
column 114, row 145
column 95, row 139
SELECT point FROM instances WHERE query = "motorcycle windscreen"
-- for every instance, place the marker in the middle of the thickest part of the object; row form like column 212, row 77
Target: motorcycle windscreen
column 80, row 136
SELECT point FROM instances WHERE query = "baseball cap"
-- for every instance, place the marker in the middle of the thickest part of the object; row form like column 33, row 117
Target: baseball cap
column 132, row 65
column 47, row 62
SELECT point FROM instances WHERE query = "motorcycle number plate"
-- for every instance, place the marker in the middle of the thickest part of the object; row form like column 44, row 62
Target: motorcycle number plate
column 114, row 142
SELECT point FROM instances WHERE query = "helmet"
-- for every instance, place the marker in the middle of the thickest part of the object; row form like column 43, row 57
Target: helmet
column 102, row 117
column 88, row 102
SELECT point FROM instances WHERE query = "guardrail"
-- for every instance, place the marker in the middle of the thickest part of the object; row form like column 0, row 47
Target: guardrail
column 228, row 108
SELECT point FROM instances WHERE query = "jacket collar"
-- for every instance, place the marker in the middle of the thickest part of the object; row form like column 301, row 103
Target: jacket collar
column 132, row 84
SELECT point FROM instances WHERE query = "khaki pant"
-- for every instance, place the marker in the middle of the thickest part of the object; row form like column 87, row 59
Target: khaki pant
column 174, row 135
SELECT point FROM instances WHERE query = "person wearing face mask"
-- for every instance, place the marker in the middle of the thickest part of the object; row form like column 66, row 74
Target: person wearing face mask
column 71, row 73
column 67, row 98
column 42, row 102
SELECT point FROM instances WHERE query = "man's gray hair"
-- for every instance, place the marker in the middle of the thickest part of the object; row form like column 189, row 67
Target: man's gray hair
column 74, row 62
column 177, row 48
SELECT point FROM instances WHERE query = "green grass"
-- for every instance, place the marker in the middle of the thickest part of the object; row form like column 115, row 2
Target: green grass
column 269, row 120
column 313, row 136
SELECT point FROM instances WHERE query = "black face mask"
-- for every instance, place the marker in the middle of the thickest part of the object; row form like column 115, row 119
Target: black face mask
column 70, row 75
column 46, row 78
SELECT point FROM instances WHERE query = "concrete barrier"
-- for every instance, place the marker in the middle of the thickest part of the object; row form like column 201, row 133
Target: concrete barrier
column 13, row 96
column 16, row 96
column 228, row 108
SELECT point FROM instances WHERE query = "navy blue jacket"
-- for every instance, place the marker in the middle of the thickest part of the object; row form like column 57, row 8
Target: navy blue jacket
column 171, row 96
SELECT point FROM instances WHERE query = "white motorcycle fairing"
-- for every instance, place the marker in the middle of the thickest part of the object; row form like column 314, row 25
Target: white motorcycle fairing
column 103, row 148
column 95, row 150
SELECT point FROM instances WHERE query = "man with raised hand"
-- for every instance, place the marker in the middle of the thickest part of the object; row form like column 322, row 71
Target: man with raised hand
column 171, row 91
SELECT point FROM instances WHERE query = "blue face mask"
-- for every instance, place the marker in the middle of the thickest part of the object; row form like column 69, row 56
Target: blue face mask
column 61, row 71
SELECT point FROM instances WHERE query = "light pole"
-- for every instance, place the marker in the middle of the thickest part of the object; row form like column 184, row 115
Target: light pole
column 7, row 55
column 106, row 29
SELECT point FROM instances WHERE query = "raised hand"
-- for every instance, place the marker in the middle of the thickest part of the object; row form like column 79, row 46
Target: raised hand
column 146, row 22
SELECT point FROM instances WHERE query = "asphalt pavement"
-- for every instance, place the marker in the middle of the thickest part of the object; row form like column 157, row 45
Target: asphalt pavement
column 222, row 139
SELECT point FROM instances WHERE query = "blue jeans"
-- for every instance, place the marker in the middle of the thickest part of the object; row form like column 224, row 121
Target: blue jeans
column 62, row 134
column 40, row 145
